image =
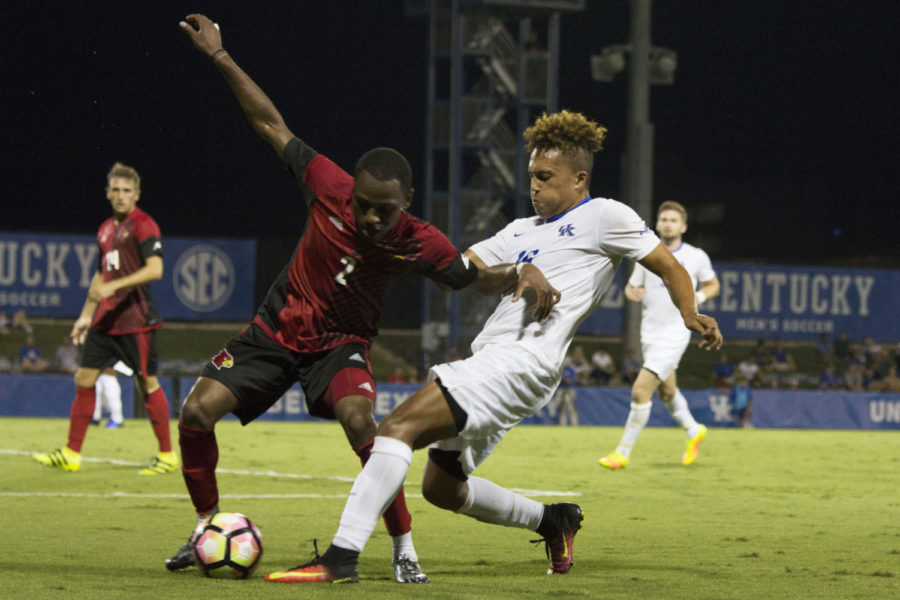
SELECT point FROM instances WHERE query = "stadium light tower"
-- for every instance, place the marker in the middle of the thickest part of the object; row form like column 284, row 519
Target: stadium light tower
column 647, row 65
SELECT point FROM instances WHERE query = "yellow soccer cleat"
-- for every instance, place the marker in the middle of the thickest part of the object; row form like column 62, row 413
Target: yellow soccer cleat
column 162, row 463
column 614, row 460
column 692, row 449
column 65, row 459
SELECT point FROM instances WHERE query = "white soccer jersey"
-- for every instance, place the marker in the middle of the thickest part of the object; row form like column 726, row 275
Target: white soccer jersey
column 661, row 321
column 578, row 252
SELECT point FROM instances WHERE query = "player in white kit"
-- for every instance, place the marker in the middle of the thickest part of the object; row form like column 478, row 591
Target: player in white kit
column 664, row 339
column 468, row 406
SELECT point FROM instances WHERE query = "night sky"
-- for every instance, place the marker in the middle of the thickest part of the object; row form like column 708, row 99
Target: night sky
column 779, row 134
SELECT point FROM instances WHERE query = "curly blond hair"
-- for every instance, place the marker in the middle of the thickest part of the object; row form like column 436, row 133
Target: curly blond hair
column 568, row 132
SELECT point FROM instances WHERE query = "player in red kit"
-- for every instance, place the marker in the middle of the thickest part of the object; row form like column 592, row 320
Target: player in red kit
column 119, row 320
column 316, row 324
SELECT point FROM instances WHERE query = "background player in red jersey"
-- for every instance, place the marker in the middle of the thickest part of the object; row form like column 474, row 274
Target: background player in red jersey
column 317, row 321
column 119, row 320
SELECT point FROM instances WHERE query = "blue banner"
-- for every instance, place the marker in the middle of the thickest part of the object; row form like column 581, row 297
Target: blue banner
column 51, row 396
column 787, row 302
column 48, row 275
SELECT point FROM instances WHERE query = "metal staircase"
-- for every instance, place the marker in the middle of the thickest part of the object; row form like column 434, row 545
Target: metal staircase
column 493, row 67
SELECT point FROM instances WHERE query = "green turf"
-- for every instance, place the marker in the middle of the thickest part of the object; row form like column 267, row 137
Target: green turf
column 761, row 514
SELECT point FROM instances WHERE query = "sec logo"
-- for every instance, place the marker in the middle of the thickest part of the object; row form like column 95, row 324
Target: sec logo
column 203, row 278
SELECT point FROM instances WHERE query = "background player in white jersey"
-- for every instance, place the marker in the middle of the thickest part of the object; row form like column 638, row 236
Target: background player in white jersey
column 663, row 339
column 467, row 407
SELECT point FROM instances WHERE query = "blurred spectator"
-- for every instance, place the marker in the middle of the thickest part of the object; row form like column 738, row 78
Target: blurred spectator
column 741, row 398
column 823, row 349
column 5, row 323
column 841, row 348
column 66, row 358
column 872, row 350
column 581, row 365
column 630, row 367
column 854, row 378
column 750, row 370
column 413, row 375
column 30, row 359
column 760, row 353
column 6, row 365
column 20, row 320
column 828, row 379
column 723, row 373
column 397, row 375
column 602, row 367
column 890, row 383
column 565, row 395
column 782, row 361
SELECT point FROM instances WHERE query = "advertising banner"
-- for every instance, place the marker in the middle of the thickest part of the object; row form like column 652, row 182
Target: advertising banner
column 51, row 396
column 786, row 302
column 47, row 275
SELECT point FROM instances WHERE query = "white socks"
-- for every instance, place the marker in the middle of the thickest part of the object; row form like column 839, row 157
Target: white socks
column 375, row 487
column 491, row 503
column 678, row 406
column 403, row 544
column 637, row 420
column 109, row 394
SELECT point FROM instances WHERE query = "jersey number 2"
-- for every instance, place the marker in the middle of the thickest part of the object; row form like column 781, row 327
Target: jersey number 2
column 349, row 264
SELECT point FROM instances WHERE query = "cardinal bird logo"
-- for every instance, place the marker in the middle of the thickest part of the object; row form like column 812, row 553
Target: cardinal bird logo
column 223, row 360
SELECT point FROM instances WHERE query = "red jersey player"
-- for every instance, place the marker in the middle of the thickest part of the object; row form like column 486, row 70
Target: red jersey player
column 317, row 321
column 119, row 320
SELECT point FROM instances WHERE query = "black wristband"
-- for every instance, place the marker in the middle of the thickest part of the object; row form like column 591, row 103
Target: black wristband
column 213, row 56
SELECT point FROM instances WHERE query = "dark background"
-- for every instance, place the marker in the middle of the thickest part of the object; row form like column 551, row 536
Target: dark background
column 779, row 133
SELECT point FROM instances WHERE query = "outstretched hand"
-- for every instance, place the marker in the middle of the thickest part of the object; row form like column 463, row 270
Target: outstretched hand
column 545, row 295
column 203, row 32
column 709, row 330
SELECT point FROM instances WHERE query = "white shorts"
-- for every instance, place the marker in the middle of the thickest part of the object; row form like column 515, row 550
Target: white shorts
column 497, row 387
column 663, row 358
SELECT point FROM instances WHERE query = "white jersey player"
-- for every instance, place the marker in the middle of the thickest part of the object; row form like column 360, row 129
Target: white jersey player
column 469, row 405
column 663, row 339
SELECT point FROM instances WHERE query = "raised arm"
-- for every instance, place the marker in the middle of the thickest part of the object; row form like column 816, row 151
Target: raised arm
column 681, row 290
column 258, row 108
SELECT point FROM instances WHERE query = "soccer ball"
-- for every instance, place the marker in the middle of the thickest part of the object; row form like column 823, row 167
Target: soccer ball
column 230, row 546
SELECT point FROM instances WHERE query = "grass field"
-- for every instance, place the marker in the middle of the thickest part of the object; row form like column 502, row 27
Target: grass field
column 761, row 514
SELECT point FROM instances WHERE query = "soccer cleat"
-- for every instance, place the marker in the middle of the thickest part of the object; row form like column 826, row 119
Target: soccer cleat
column 113, row 425
column 65, row 459
column 315, row 572
column 614, row 460
column 558, row 527
column 407, row 570
column 95, row 421
column 162, row 463
column 692, row 449
column 184, row 558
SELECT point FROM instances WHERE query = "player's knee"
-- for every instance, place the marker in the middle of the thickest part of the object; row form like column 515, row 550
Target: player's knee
column 196, row 413
column 392, row 426
column 85, row 378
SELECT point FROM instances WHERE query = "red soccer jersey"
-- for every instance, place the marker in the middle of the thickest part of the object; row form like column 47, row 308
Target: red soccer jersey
column 332, row 291
column 124, row 247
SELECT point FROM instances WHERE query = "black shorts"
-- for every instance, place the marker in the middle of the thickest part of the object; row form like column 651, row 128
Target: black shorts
column 137, row 350
column 258, row 371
